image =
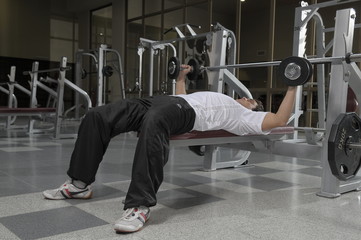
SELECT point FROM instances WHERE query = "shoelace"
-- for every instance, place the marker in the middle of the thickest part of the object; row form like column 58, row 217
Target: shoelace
column 129, row 213
column 61, row 188
column 64, row 187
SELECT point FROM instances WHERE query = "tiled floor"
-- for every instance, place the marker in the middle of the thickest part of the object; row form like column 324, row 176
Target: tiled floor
column 274, row 199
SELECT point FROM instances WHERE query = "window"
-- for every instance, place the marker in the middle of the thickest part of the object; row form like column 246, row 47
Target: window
column 63, row 39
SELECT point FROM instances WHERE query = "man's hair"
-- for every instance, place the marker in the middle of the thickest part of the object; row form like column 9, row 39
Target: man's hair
column 259, row 107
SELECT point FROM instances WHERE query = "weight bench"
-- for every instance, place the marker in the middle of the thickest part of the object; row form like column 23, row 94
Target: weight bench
column 5, row 112
column 27, row 112
column 216, row 139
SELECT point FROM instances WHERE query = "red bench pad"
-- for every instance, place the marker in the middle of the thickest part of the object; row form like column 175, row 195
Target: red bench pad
column 223, row 133
column 27, row 110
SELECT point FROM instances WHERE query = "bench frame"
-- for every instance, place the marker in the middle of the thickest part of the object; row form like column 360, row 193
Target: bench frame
column 221, row 144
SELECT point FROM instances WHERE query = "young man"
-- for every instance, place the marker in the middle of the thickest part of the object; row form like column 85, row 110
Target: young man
column 156, row 119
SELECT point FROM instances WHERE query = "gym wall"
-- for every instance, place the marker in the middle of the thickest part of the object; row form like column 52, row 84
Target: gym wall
column 25, row 29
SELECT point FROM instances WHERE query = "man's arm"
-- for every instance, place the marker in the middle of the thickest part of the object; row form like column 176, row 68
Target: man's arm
column 180, row 85
column 280, row 118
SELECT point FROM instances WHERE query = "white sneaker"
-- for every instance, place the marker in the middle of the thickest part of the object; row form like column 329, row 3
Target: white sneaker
column 67, row 191
column 133, row 220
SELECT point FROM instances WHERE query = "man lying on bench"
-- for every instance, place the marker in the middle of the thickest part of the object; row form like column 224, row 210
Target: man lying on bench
column 156, row 119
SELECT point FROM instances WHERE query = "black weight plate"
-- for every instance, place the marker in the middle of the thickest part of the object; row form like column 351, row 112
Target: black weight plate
column 173, row 67
column 107, row 71
column 200, row 45
column 193, row 75
column 191, row 43
column 311, row 70
column 305, row 71
column 84, row 73
column 344, row 161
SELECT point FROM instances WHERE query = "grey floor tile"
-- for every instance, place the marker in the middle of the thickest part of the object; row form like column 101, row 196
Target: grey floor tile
column 281, row 165
column 19, row 149
column 182, row 182
column 51, row 222
column 275, row 228
column 184, row 198
column 263, row 183
column 104, row 232
column 223, row 174
column 313, row 171
column 7, row 234
column 27, row 203
column 257, row 170
column 299, row 179
column 274, row 199
column 215, row 228
column 13, row 186
column 302, row 162
column 193, row 177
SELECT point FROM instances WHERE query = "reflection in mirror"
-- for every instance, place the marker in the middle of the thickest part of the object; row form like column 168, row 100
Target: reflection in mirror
column 101, row 27
column 172, row 19
column 153, row 27
column 152, row 6
column 193, row 12
column 135, row 31
column 134, row 8
column 173, row 3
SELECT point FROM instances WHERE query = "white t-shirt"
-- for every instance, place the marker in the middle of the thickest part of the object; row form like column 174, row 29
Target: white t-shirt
column 215, row 111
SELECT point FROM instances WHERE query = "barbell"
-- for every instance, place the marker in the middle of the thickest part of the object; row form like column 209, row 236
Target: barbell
column 107, row 72
column 292, row 70
column 67, row 68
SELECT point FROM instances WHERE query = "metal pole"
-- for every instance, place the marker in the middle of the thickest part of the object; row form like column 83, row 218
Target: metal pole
column 100, row 78
column 151, row 70
column 271, row 47
column 60, row 100
column 354, row 145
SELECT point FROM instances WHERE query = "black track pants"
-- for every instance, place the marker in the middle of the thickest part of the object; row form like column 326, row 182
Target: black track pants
column 155, row 118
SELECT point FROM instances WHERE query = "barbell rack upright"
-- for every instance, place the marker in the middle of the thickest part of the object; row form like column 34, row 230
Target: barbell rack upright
column 332, row 187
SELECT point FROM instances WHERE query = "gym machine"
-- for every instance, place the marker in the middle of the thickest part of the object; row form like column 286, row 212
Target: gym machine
column 105, row 67
column 213, row 46
column 58, row 95
column 12, row 100
column 55, row 115
column 339, row 147
column 217, row 47
column 337, row 178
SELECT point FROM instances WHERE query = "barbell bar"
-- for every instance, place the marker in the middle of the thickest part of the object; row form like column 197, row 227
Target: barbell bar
column 289, row 72
column 353, row 145
column 107, row 71
column 48, row 70
column 293, row 71
column 348, row 58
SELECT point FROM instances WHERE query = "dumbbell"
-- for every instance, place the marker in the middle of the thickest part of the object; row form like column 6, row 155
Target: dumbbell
column 174, row 68
column 295, row 71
